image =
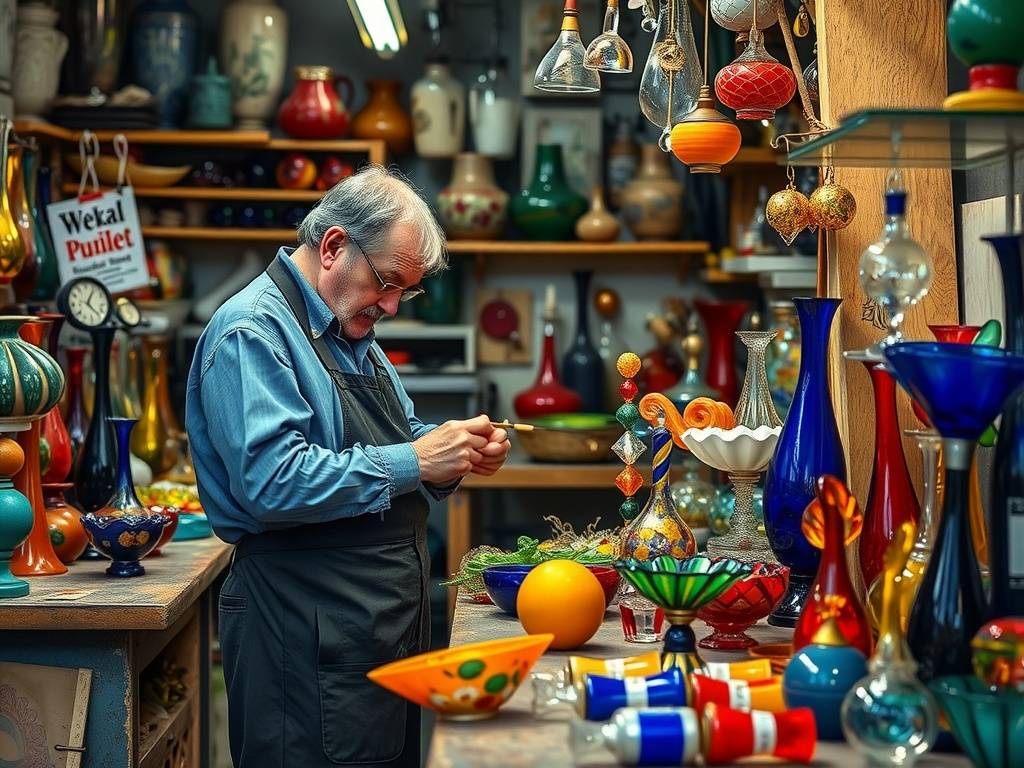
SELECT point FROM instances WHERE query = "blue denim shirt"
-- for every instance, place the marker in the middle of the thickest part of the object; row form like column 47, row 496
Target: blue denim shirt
column 265, row 423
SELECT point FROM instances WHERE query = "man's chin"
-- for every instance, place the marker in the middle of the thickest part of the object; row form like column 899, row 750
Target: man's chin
column 358, row 327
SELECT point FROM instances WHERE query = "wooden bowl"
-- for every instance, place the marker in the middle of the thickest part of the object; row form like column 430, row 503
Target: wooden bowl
column 572, row 437
column 140, row 175
column 778, row 655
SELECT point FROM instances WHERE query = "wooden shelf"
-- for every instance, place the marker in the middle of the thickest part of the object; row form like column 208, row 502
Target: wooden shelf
column 374, row 149
column 149, row 748
column 718, row 276
column 256, row 235
column 534, row 248
column 225, row 194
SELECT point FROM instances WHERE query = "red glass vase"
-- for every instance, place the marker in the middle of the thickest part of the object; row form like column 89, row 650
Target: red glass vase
column 891, row 497
column 755, row 84
column 547, row 395
column 314, row 110
column 53, row 429
column 35, row 555
column 951, row 334
column 722, row 320
column 77, row 415
column 832, row 522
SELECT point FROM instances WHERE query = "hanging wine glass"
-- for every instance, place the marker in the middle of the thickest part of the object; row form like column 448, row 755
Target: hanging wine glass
column 672, row 76
column 608, row 52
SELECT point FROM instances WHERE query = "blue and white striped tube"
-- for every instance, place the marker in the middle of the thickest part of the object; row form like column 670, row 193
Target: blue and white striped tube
column 604, row 695
column 641, row 737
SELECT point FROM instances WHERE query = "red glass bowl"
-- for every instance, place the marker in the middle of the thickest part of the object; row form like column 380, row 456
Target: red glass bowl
column 608, row 578
column 169, row 529
column 741, row 606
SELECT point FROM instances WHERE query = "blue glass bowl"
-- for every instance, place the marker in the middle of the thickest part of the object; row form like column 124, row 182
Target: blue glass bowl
column 502, row 583
column 987, row 722
column 125, row 540
column 192, row 526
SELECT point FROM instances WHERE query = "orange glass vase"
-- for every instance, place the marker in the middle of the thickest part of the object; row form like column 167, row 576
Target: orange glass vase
column 35, row 556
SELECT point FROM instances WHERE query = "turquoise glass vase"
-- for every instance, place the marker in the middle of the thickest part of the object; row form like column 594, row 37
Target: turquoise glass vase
column 548, row 208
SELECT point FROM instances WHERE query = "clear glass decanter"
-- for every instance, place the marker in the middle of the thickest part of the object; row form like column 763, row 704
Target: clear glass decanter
column 672, row 77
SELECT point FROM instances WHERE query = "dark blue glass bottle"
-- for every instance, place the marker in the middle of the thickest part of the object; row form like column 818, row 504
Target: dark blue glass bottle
column 582, row 369
column 808, row 447
column 1006, row 504
column 96, row 469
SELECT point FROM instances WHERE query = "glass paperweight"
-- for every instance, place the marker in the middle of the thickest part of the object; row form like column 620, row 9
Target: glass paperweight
column 889, row 716
column 608, row 52
column 895, row 271
column 672, row 76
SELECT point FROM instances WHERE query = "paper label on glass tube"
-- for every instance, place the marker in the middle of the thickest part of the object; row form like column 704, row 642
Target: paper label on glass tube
column 765, row 735
column 99, row 236
column 739, row 694
column 636, row 691
column 717, row 670
column 615, row 667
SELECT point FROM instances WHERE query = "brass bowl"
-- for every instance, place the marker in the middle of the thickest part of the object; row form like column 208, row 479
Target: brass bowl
column 572, row 437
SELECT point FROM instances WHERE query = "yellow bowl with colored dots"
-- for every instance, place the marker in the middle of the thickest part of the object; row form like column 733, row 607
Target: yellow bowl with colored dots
column 468, row 682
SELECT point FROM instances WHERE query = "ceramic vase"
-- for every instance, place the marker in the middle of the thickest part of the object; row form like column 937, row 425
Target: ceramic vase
column 721, row 321
column 96, row 34
column 67, row 534
column 472, row 206
column 25, row 280
column 38, row 54
column 438, row 112
column 154, row 438
column 164, row 38
column 382, row 117
column 891, row 497
column 597, row 225
column 12, row 249
column 8, row 36
column 124, row 529
column 253, row 52
column 209, row 101
column 54, row 433
column 314, row 109
column 441, row 303
column 96, row 466
column 652, row 204
column 548, row 208
column 1006, row 502
column 808, row 448
column 547, row 395
column 582, row 370
column 42, row 384
column 47, row 277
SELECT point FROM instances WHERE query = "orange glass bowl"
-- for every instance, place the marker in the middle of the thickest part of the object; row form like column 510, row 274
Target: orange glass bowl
column 468, row 682
column 741, row 606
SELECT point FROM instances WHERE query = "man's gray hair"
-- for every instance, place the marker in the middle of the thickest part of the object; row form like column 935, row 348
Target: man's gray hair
column 368, row 205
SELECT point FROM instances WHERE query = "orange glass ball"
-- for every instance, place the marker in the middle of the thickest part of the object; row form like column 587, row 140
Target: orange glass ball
column 564, row 598
column 705, row 146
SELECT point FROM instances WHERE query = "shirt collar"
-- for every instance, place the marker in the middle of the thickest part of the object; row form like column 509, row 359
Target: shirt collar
column 321, row 319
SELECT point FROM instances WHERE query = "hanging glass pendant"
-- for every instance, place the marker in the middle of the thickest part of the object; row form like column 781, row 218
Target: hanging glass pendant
column 811, row 76
column 562, row 70
column 756, row 83
column 738, row 15
column 672, row 76
column 705, row 139
column 608, row 52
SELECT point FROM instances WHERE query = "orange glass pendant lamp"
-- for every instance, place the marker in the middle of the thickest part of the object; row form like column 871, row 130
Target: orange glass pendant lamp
column 705, row 139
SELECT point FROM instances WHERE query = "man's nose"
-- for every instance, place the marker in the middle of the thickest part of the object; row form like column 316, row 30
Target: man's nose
column 389, row 303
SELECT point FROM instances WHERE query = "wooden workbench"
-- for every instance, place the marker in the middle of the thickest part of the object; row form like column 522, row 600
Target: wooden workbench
column 515, row 739
column 116, row 627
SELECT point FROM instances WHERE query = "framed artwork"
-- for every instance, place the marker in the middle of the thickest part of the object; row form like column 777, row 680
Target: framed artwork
column 578, row 130
column 42, row 714
column 539, row 25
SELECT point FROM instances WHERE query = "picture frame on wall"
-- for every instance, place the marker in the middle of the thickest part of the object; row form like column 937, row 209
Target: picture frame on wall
column 577, row 130
column 539, row 24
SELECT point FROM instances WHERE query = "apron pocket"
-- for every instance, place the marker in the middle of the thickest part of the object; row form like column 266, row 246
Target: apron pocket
column 353, row 712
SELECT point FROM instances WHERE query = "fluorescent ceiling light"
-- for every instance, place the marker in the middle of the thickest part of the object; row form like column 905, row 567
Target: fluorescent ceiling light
column 380, row 25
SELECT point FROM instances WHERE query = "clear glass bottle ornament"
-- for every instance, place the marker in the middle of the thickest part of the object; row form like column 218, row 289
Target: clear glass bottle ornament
column 608, row 52
column 895, row 271
column 672, row 77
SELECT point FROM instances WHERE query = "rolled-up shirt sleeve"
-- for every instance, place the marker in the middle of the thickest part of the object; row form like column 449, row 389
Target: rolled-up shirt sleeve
column 257, row 422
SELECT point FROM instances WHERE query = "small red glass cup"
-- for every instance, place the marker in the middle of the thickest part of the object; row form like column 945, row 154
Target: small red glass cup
column 741, row 606
column 642, row 620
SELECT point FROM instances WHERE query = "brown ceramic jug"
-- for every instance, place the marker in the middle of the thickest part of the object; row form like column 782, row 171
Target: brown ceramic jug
column 652, row 204
column 597, row 225
column 382, row 117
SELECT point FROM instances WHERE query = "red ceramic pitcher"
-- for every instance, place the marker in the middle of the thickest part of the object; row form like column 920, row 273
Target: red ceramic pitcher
column 314, row 110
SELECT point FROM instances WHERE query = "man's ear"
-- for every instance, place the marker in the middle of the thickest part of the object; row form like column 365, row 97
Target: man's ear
column 334, row 241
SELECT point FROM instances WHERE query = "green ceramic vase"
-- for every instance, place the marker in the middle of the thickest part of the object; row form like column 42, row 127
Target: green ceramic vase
column 986, row 31
column 31, row 382
column 548, row 208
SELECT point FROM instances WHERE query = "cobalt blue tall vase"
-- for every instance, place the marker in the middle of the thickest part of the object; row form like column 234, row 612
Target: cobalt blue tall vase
column 808, row 447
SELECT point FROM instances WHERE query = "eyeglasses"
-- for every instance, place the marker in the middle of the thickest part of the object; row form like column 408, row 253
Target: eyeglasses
column 385, row 287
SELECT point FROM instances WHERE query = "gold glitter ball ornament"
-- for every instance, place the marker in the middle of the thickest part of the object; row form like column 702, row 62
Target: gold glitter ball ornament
column 628, row 365
column 789, row 213
column 833, row 206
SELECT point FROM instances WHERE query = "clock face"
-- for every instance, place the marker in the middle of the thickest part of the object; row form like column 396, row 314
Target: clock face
column 88, row 303
column 128, row 312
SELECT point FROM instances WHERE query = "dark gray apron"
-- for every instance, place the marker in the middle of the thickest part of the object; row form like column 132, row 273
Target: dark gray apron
column 306, row 612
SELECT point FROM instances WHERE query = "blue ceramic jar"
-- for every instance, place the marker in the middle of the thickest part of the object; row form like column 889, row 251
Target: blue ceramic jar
column 163, row 54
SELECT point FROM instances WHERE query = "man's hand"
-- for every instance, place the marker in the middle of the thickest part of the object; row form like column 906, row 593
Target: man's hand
column 492, row 455
column 453, row 449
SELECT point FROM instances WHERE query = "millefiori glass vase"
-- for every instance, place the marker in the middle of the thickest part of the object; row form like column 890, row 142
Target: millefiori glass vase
column 808, row 448
column 962, row 388
column 889, row 716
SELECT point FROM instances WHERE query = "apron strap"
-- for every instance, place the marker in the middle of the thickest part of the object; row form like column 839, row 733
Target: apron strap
column 285, row 282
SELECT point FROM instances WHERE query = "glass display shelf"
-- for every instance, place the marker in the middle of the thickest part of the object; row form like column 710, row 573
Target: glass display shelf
column 915, row 138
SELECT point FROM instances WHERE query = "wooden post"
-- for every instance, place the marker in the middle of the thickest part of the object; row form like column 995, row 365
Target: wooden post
column 876, row 53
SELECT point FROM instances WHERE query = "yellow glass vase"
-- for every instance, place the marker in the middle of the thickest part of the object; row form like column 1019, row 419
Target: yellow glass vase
column 155, row 437
column 12, row 246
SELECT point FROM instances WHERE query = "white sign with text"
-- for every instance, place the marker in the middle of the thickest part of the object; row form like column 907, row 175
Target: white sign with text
column 98, row 235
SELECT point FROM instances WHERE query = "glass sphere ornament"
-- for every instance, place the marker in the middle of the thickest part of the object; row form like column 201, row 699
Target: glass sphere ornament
column 895, row 271
column 755, row 84
column 562, row 69
column 832, row 205
column 738, row 15
column 811, row 76
column 672, row 76
column 608, row 52
column 628, row 364
column 705, row 139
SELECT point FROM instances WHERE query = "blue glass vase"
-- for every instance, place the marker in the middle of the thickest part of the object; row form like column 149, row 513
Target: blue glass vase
column 163, row 52
column 808, row 447
column 1006, row 504
column 96, row 467
column 582, row 369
